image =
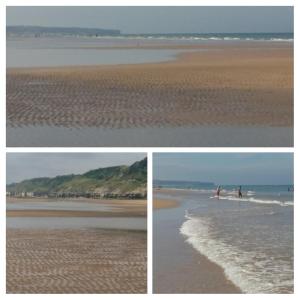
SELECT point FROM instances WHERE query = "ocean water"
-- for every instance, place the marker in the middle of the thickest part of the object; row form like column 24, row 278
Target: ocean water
column 62, row 50
column 275, row 36
column 250, row 238
column 60, row 205
column 76, row 223
column 287, row 36
column 22, row 52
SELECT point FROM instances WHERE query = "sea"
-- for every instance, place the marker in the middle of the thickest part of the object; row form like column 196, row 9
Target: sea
column 32, row 50
column 251, row 237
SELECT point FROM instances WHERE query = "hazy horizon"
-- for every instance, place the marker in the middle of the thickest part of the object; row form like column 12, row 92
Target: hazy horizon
column 159, row 19
column 225, row 168
column 149, row 33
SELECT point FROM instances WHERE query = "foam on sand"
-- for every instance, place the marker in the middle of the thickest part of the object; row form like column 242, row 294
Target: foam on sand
column 251, row 271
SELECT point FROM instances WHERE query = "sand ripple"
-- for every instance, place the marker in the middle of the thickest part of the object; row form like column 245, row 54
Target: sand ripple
column 234, row 87
column 76, row 261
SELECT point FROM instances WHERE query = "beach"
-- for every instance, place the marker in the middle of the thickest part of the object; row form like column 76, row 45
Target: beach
column 164, row 203
column 239, row 93
column 76, row 261
column 75, row 207
column 177, row 267
column 76, row 246
column 214, row 245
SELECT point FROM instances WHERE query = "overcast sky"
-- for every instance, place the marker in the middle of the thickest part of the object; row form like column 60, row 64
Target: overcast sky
column 225, row 168
column 159, row 19
column 22, row 166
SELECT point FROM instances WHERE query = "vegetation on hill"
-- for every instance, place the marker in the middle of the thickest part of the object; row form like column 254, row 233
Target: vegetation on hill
column 114, row 180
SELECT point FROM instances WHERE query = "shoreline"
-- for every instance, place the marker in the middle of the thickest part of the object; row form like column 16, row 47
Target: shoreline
column 178, row 58
column 105, row 208
column 239, row 96
column 192, row 271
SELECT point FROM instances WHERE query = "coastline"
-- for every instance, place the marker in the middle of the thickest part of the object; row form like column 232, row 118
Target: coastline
column 177, row 266
column 106, row 208
column 228, row 233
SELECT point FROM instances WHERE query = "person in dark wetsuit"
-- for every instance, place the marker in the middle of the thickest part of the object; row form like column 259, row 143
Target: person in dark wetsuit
column 218, row 190
column 240, row 192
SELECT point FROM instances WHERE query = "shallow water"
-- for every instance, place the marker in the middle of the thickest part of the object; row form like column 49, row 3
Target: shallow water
column 52, row 52
column 251, row 241
column 201, row 136
column 76, row 223
column 60, row 205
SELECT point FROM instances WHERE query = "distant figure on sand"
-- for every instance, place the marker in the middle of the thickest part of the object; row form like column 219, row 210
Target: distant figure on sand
column 218, row 190
column 240, row 192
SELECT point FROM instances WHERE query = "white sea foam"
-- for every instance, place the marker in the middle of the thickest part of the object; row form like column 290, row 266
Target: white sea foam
column 259, row 201
column 252, row 271
column 250, row 193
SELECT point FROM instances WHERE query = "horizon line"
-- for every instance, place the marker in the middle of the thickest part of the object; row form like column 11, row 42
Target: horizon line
column 151, row 33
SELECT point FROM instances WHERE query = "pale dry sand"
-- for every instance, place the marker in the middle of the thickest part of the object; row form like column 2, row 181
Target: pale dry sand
column 240, row 84
column 76, row 261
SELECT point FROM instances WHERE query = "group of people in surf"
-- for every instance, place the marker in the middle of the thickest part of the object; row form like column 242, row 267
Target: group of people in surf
column 239, row 191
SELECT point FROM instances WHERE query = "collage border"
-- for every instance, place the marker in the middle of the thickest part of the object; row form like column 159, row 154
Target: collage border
column 148, row 150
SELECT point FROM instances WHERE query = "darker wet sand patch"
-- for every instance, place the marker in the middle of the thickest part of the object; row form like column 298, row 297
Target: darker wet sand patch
column 164, row 203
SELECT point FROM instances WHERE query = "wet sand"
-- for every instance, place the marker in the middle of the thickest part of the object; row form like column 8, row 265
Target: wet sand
column 195, row 136
column 178, row 267
column 164, row 203
column 105, row 208
column 76, row 261
column 76, row 251
column 240, row 85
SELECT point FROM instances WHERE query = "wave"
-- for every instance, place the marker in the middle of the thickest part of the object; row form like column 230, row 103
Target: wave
column 250, row 193
column 204, row 38
column 251, row 271
column 167, row 38
column 184, row 189
column 254, row 200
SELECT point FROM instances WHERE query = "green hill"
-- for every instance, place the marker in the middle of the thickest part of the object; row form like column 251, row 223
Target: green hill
column 110, row 181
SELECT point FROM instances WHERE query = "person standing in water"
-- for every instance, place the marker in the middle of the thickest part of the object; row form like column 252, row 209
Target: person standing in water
column 240, row 192
column 218, row 190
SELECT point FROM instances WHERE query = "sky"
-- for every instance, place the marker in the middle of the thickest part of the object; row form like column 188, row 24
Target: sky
column 225, row 168
column 158, row 19
column 20, row 166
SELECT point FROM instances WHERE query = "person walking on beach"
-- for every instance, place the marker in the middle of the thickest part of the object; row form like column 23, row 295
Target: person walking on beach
column 240, row 192
column 218, row 190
